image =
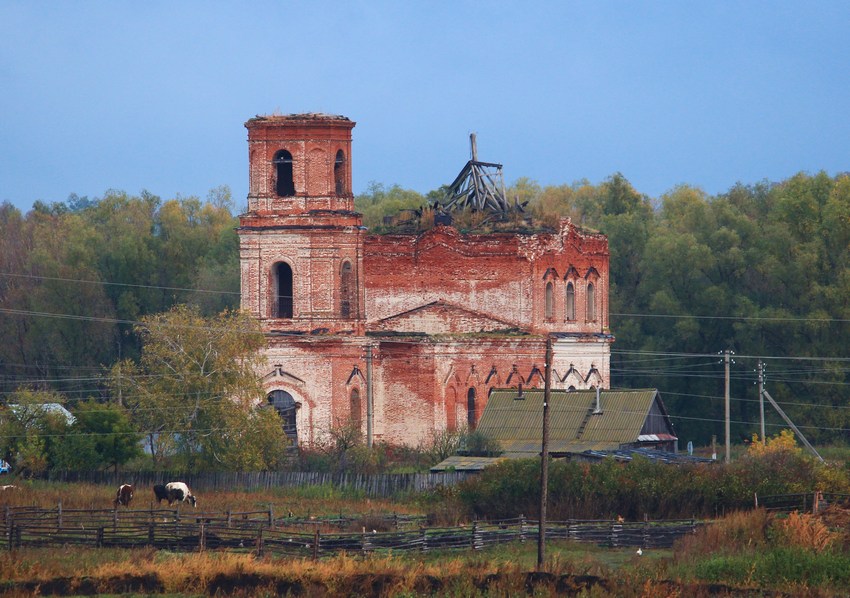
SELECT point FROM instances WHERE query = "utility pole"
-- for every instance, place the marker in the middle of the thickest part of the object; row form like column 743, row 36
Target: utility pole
column 728, row 414
column 761, row 400
column 544, row 457
column 369, row 414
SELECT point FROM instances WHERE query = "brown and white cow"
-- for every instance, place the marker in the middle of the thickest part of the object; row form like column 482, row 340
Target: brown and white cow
column 124, row 495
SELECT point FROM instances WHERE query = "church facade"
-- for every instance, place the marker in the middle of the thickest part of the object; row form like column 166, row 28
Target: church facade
column 402, row 335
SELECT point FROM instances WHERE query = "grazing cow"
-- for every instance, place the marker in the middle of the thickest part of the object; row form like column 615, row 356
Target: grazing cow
column 179, row 492
column 124, row 495
column 160, row 493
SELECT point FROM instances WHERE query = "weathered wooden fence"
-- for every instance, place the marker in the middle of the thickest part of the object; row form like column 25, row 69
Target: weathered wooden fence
column 376, row 486
column 803, row 502
column 260, row 532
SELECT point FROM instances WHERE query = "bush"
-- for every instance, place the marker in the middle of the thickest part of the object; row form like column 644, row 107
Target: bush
column 642, row 488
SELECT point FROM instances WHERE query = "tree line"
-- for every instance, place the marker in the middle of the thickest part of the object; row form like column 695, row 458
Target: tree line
column 760, row 269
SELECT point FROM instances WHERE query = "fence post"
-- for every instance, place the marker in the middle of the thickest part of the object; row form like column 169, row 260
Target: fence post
column 18, row 536
column 152, row 533
column 271, row 516
column 615, row 534
column 366, row 544
column 477, row 536
column 756, row 499
column 115, row 518
column 202, row 536
column 8, row 520
column 260, row 540
column 522, row 528
column 59, row 515
column 99, row 538
column 316, row 544
column 423, row 532
column 229, row 518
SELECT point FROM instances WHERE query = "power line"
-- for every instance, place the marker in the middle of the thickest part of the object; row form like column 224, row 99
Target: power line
column 118, row 284
column 733, row 318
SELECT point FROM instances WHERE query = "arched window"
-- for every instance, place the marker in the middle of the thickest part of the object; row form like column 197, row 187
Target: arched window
column 550, row 300
column 591, row 302
column 470, row 408
column 346, row 291
column 355, row 408
column 339, row 173
column 284, row 183
column 571, row 302
column 286, row 407
column 283, row 291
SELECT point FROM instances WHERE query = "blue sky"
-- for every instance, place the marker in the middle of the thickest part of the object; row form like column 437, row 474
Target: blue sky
column 153, row 95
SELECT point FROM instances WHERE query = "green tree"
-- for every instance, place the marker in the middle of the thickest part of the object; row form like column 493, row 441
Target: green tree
column 32, row 430
column 195, row 390
column 101, row 436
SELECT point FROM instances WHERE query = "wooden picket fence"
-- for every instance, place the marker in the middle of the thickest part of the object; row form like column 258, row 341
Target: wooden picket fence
column 374, row 486
column 261, row 532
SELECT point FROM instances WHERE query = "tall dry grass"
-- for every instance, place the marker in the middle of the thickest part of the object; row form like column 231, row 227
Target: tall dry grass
column 736, row 531
column 804, row 530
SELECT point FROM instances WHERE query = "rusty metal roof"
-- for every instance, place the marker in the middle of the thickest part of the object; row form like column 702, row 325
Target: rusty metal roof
column 573, row 426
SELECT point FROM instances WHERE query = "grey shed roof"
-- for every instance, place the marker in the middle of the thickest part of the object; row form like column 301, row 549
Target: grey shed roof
column 573, row 427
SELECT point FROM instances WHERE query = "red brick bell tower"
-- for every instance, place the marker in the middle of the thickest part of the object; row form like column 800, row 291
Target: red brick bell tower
column 301, row 242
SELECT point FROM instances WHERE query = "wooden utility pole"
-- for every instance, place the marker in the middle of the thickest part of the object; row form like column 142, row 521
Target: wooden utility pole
column 728, row 414
column 544, row 457
column 761, row 400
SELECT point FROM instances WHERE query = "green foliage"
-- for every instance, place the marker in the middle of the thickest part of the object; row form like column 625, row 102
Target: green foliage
column 777, row 567
column 195, row 391
column 379, row 203
column 642, row 488
column 99, row 260
column 101, row 436
column 478, row 444
column 31, row 432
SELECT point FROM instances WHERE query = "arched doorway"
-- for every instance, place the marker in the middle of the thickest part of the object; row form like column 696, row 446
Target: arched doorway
column 287, row 408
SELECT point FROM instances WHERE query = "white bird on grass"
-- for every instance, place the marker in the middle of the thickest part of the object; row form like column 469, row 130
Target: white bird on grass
column 639, row 551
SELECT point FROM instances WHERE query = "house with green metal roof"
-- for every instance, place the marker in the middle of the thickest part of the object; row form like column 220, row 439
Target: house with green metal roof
column 579, row 421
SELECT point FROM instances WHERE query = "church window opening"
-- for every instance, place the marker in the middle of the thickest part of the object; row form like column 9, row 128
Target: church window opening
column 284, row 183
column 339, row 173
column 355, row 408
column 286, row 408
column 346, row 291
column 550, row 300
column 571, row 302
column 591, row 302
column 470, row 408
column 283, row 291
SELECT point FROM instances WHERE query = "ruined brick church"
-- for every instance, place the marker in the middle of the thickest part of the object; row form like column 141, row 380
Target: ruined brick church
column 402, row 335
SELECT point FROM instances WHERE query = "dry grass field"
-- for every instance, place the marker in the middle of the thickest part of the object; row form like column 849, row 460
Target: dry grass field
column 745, row 554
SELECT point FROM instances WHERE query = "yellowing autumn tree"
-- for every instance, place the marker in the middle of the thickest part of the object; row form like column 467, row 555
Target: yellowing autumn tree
column 195, row 392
